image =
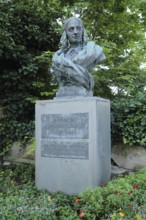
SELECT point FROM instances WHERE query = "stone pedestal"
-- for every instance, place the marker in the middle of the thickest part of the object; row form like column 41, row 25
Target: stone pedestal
column 73, row 149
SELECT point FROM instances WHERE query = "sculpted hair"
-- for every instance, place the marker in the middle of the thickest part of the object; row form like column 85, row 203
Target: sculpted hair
column 64, row 42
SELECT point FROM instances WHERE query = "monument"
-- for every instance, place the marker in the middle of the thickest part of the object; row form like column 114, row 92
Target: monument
column 73, row 130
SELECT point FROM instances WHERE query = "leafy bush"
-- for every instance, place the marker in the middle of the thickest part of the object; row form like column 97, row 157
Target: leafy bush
column 129, row 119
column 27, row 30
column 29, row 27
column 122, row 198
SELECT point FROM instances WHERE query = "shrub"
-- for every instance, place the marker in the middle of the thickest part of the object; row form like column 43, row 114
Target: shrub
column 122, row 198
column 129, row 119
column 27, row 30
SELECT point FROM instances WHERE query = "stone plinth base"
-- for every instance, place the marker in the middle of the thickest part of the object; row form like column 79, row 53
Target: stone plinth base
column 73, row 150
column 72, row 91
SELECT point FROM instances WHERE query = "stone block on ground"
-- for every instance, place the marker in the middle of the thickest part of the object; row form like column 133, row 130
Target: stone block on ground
column 20, row 154
column 133, row 158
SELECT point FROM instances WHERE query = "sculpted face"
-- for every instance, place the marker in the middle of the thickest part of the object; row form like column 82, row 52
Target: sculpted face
column 74, row 31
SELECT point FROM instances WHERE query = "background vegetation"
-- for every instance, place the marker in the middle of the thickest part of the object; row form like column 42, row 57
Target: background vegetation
column 29, row 35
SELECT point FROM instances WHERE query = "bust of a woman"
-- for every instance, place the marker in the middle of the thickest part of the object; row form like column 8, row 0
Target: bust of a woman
column 74, row 61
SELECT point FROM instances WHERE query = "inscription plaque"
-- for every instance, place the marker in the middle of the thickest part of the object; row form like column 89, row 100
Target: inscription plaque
column 64, row 149
column 64, row 126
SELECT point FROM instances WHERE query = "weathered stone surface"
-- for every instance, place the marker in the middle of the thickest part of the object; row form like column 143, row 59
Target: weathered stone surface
column 120, row 172
column 20, row 154
column 76, row 153
column 115, row 170
column 72, row 91
column 65, row 149
column 67, row 125
column 130, row 158
column 16, row 150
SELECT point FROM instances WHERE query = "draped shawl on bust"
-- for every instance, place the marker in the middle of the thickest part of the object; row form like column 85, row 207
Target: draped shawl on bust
column 75, row 69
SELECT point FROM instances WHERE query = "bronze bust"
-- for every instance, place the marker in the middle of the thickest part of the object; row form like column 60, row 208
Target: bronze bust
column 74, row 61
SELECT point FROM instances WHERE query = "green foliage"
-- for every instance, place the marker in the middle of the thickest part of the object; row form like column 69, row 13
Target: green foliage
column 121, row 34
column 30, row 27
column 91, row 203
column 26, row 31
column 129, row 117
column 128, row 109
column 122, row 198
column 119, row 27
column 44, row 79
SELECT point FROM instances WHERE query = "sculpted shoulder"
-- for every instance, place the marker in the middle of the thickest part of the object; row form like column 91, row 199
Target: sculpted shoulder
column 56, row 55
column 92, row 46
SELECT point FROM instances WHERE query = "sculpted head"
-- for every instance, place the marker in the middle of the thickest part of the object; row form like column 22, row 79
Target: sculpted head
column 74, row 30
column 74, row 33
